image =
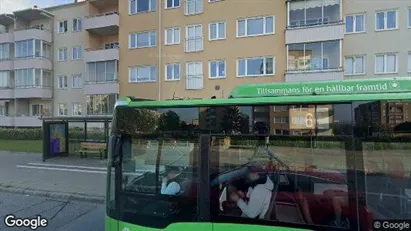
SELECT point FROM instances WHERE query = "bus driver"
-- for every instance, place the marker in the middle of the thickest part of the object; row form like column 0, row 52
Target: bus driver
column 170, row 185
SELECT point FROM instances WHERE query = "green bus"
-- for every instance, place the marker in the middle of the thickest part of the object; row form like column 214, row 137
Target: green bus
column 277, row 156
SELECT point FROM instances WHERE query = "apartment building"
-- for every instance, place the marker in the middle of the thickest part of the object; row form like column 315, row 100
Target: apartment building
column 377, row 40
column 199, row 48
column 58, row 61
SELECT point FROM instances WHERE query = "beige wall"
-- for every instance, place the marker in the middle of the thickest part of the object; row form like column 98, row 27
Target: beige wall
column 372, row 42
column 229, row 49
column 70, row 67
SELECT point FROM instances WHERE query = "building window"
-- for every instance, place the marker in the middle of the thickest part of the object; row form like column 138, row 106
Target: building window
column 258, row 66
column 280, row 120
column 36, row 109
column 217, row 69
column 77, row 25
column 101, row 104
column 5, row 79
column 62, row 27
column 103, row 71
column 30, row 78
column 142, row 74
column 173, row 71
column 62, row 54
column 62, row 109
column 217, row 30
column 314, row 56
column 77, row 53
column 355, row 23
column 5, row 52
column 172, row 36
column 2, row 110
column 143, row 39
column 409, row 18
column 32, row 48
column 140, row 6
column 112, row 45
column 386, row 20
column 255, row 26
column 77, row 109
column 193, row 7
column 172, row 4
column 194, row 38
column 313, row 13
column 77, row 81
column 386, row 63
column 409, row 61
column 355, row 65
column 194, row 75
column 62, row 82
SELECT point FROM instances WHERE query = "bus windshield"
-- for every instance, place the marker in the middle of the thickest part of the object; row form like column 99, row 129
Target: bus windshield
column 267, row 164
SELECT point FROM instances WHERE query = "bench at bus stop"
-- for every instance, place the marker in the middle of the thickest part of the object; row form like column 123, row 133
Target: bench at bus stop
column 90, row 147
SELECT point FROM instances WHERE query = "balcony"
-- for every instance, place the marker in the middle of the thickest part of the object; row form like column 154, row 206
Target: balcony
column 6, row 37
column 27, row 121
column 32, row 62
column 103, row 24
column 311, row 21
column 318, row 61
column 25, row 92
column 101, row 88
column 101, row 55
column 6, row 121
column 33, row 33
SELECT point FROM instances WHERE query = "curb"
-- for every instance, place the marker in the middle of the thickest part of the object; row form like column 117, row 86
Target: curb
column 54, row 195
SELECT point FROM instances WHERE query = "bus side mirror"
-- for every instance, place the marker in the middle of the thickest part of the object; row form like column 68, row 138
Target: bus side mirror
column 115, row 144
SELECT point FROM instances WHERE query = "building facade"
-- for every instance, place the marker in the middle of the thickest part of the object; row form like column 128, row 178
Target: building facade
column 78, row 58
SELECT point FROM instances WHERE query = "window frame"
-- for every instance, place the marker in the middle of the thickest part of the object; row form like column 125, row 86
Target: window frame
column 385, row 20
column 136, row 39
column 251, row 18
column 179, row 71
column 355, row 23
column 247, row 58
column 385, row 63
column 217, row 71
column 80, row 53
column 142, row 66
column 409, row 17
column 150, row 6
column 173, row 31
column 187, row 38
column 66, row 54
column 58, row 109
column 217, row 30
column 78, row 28
column 59, row 82
column 174, row 6
column 409, row 62
column 81, row 81
column 66, row 26
column 72, row 109
column 355, row 57
column 186, row 13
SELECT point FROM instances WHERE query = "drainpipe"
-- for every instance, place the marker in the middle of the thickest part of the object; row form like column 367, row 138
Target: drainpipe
column 159, row 43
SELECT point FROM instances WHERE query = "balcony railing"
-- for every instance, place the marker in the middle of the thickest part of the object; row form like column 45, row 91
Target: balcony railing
column 102, row 14
column 314, row 23
column 107, row 78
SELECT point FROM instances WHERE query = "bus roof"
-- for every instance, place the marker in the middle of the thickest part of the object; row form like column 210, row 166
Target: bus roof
column 296, row 92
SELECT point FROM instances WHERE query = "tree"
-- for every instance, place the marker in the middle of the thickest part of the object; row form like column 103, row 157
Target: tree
column 231, row 120
column 169, row 121
column 132, row 121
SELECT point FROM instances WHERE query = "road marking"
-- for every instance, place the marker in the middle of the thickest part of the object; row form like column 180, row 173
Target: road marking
column 60, row 169
column 67, row 166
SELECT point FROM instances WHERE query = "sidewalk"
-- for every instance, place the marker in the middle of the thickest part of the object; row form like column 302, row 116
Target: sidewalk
column 63, row 177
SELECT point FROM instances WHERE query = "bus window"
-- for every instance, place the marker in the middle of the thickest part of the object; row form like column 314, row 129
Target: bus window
column 282, row 179
column 386, row 131
column 159, row 165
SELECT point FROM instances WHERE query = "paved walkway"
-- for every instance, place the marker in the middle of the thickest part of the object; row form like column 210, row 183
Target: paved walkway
column 70, row 175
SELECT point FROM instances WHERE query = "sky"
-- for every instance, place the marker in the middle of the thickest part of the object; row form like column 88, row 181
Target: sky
column 8, row 6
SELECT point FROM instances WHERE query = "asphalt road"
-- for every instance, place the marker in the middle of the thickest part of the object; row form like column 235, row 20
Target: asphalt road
column 62, row 215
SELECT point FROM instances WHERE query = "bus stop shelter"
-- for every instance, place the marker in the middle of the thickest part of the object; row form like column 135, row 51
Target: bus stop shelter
column 61, row 139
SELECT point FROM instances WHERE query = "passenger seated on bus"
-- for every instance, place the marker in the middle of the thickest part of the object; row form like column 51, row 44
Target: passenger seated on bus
column 259, row 195
column 170, row 185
